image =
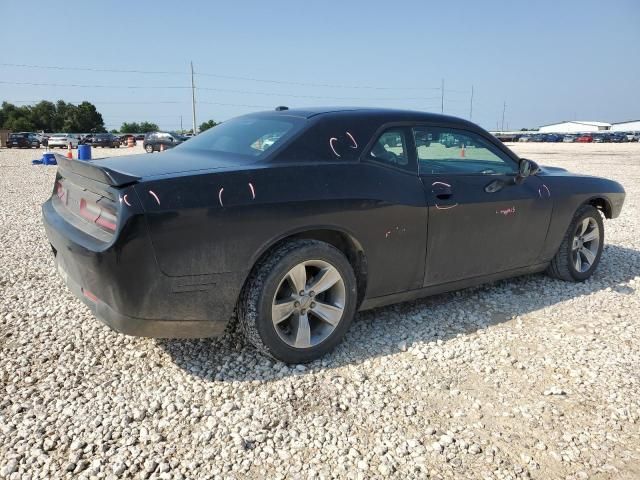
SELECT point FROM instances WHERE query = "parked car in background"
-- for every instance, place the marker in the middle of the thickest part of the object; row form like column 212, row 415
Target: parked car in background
column 157, row 141
column 618, row 138
column 538, row 137
column 346, row 210
column 601, row 138
column 553, row 137
column 124, row 139
column 86, row 139
column 140, row 136
column 105, row 140
column 585, row 138
column 23, row 140
column 63, row 140
column 569, row 138
column 525, row 138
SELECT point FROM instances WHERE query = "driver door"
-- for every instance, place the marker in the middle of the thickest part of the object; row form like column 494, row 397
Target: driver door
column 480, row 220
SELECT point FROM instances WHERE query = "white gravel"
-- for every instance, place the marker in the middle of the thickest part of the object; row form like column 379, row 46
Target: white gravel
column 531, row 377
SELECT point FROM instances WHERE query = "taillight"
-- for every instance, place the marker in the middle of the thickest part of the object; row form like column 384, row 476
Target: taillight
column 61, row 192
column 89, row 295
column 91, row 211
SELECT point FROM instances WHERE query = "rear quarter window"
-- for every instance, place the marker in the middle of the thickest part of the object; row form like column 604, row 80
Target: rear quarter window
column 330, row 139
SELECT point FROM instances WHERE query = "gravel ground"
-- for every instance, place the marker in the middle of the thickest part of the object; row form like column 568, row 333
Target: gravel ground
column 524, row 378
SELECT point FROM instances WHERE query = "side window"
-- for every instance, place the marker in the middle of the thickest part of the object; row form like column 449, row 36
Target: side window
column 442, row 150
column 391, row 148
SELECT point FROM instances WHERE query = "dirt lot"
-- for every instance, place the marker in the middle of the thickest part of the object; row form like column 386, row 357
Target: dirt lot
column 530, row 377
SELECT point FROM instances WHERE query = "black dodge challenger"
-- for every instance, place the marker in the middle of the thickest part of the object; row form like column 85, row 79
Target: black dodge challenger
column 293, row 220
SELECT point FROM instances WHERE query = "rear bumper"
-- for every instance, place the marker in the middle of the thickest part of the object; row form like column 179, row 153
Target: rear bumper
column 124, row 288
column 142, row 327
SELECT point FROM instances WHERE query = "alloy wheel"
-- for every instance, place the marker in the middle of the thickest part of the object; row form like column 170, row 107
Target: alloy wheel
column 586, row 241
column 308, row 304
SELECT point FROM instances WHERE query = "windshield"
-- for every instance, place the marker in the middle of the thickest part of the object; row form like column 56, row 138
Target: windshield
column 251, row 136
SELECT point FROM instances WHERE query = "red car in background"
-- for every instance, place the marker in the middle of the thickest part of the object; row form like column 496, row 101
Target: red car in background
column 585, row 139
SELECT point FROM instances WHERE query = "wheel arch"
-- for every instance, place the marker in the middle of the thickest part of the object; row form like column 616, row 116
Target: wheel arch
column 339, row 238
column 601, row 203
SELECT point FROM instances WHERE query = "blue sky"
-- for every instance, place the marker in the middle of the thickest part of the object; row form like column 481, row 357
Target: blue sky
column 548, row 60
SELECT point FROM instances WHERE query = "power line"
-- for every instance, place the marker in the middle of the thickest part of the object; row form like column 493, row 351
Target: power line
column 78, row 85
column 125, row 102
column 226, row 90
column 305, row 84
column 214, row 75
column 91, row 69
column 318, row 97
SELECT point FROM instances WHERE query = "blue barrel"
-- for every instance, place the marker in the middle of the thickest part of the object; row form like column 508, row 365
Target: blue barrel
column 84, row 152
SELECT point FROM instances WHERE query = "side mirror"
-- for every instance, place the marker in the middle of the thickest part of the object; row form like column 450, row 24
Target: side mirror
column 526, row 169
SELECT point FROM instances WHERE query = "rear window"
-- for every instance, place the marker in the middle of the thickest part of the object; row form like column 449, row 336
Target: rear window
column 250, row 136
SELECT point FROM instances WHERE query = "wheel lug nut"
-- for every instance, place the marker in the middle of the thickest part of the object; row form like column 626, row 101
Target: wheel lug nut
column 313, row 304
column 312, row 293
column 296, row 304
column 301, row 292
column 303, row 312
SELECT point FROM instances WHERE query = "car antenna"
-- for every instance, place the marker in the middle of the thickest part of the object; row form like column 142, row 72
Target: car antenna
column 281, row 108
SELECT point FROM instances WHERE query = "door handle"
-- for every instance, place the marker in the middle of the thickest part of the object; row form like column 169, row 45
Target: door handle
column 441, row 190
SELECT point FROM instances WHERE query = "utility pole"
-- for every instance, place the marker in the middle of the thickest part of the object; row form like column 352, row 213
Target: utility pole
column 193, row 100
column 504, row 107
column 181, row 129
column 442, row 97
column 471, row 106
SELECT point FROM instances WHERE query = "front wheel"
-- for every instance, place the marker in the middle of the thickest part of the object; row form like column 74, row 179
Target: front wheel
column 299, row 301
column 581, row 247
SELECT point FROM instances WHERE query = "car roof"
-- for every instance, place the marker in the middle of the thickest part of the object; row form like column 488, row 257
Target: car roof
column 379, row 114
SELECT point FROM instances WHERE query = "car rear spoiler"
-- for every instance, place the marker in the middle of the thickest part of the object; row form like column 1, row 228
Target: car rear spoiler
column 89, row 170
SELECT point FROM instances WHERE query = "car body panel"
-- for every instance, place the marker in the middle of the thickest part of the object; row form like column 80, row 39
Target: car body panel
column 463, row 239
column 390, row 224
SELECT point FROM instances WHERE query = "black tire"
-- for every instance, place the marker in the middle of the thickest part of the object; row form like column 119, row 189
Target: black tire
column 562, row 265
column 255, row 302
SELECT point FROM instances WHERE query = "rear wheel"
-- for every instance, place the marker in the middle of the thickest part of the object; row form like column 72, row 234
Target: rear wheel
column 581, row 248
column 299, row 301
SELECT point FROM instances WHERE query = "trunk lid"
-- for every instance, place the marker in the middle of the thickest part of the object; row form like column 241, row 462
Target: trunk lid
column 131, row 168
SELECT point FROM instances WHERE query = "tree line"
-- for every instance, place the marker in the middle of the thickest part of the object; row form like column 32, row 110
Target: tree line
column 51, row 117
column 66, row 117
